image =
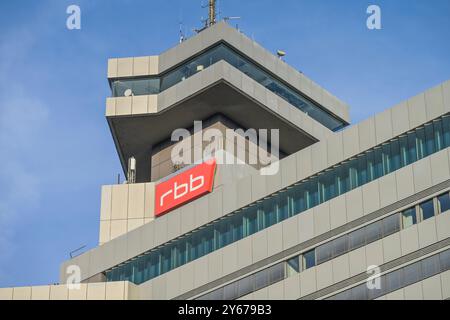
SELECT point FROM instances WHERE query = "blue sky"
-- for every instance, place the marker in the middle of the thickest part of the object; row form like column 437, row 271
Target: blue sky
column 54, row 140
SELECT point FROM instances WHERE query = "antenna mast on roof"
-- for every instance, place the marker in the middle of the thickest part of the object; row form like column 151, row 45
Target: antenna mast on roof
column 212, row 13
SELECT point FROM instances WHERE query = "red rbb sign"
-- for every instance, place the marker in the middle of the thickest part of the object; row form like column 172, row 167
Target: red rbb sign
column 187, row 186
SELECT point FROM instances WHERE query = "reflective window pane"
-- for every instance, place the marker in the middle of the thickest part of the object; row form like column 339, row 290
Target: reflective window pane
column 359, row 292
column 293, row 266
column 427, row 209
column 245, row 286
column 409, row 217
column 309, row 259
column 324, row 252
column 444, row 202
column 430, row 266
column 230, row 291
column 276, row 273
column 357, row 239
column 340, row 246
column 411, row 274
column 261, row 279
column 394, row 280
column 391, row 225
column 444, row 258
column 374, row 231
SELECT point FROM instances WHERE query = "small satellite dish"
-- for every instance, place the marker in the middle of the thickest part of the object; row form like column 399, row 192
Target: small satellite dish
column 200, row 67
column 280, row 53
column 128, row 93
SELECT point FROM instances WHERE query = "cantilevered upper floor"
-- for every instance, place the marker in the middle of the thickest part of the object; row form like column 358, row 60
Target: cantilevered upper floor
column 218, row 71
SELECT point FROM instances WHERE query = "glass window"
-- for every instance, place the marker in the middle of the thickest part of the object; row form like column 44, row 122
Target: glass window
column 395, row 155
column 359, row 292
column 427, row 209
column 344, row 295
column 276, row 273
column 391, row 224
column 375, row 292
column 309, row 259
column 412, row 147
column 357, row 239
column 324, row 252
column 261, row 279
column 293, row 266
column 444, row 258
column 420, row 143
column 404, row 155
column 444, row 202
column 245, row 286
column 411, row 274
column 430, row 266
column 374, row 231
column 438, row 138
column 340, row 245
column 230, row 291
column 394, row 280
column 429, row 139
column 409, row 217
column 446, row 129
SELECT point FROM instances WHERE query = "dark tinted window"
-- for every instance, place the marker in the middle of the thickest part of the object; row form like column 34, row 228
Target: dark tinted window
column 324, row 252
column 394, row 280
column 230, row 291
column 444, row 202
column 309, row 259
column 444, row 258
column 430, row 266
column 409, row 217
column 374, row 231
column 356, row 239
column 294, row 264
column 261, row 279
column 427, row 209
column 391, row 225
column 340, row 245
column 245, row 286
column 276, row 273
column 359, row 292
column 411, row 274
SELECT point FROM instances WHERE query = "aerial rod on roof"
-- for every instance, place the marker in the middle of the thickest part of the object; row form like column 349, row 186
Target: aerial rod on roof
column 212, row 13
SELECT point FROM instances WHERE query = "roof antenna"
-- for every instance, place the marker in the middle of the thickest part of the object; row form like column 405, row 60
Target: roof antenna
column 212, row 13
column 182, row 35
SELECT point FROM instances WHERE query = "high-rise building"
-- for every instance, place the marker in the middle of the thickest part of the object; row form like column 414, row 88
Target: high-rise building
column 329, row 210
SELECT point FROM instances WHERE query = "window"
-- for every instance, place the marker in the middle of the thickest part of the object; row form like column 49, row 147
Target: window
column 309, row 259
column 261, row 279
column 359, row 292
column 230, row 291
column 340, row 246
column 357, row 239
column 293, row 266
column 391, row 225
column 409, row 217
column 444, row 258
column 430, row 266
column 411, row 274
column 427, row 209
column 276, row 273
column 374, row 231
column 245, row 286
column 444, row 203
column 324, row 252
column 394, row 280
